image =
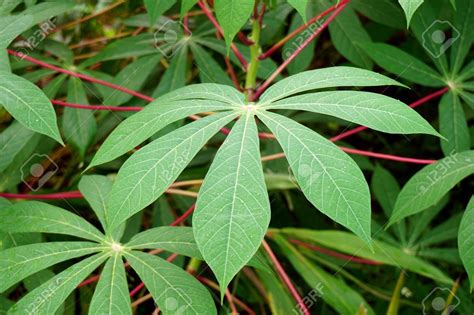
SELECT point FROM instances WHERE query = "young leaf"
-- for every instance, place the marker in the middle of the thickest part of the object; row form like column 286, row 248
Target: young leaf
column 233, row 211
column 144, row 124
column 157, row 8
column 174, row 290
column 152, row 169
column 174, row 239
column 28, row 104
column 34, row 216
column 410, row 6
column 48, row 297
column 79, row 125
column 430, row 184
column 17, row 263
column 232, row 15
column 300, row 6
column 328, row 177
column 463, row 23
column 111, row 294
column 324, row 78
column 453, row 125
column 382, row 252
column 402, row 64
column 96, row 190
column 376, row 111
column 466, row 241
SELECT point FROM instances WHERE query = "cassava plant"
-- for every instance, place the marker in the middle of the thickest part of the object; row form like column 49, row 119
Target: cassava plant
column 237, row 112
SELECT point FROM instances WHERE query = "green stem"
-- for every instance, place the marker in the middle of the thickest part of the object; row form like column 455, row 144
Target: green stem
column 395, row 300
column 255, row 51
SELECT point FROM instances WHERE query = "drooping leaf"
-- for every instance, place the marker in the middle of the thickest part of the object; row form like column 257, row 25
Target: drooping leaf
column 174, row 290
column 96, row 190
column 152, row 169
column 156, row 8
column 111, row 295
column 79, row 125
column 300, row 6
column 233, row 211
column 28, row 104
column 328, row 177
column 144, row 124
column 48, row 297
column 431, row 183
column 17, row 263
column 466, row 241
column 382, row 252
column 324, row 78
column 410, row 6
column 332, row 290
column 403, row 64
column 34, row 216
column 376, row 111
column 232, row 16
column 174, row 239
column 453, row 125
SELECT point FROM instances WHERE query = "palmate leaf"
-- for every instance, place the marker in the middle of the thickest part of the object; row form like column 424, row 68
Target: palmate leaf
column 48, row 297
column 144, row 124
column 410, row 6
column 376, row 111
column 111, row 295
column 96, row 190
column 17, row 263
column 431, row 183
column 28, row 104
column 328, row 177
column 232, row 16
column 233, row 211
column 152, row 169
column 206, row 91
column 324, row 78
column 33, row 216
column 453, row 125
column 466, row 241
column 174, row 290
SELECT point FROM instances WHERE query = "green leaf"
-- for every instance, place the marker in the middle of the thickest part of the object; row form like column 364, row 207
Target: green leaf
column 453, row 125
column 381, row 252
column 5, row 61
column 174, row 290
column 402, row 64
column 431, row 183
column 209, row 70
column 300, row 6
column 324, row 78
column 466, row 241
column 410, row 6
column 144, row 124
column 156, row 8
column 28, row 104
column 303, row 60
column 79, row 125
column 385, row 12
column 34, row 216
column 187, row 5
column 47, row 10
column 206, row 91
column 12, row 141
column 173, row 239
column 152, row 169
column 96, row 190
column 6, row 6
column 463, row 24
column 232, row 15
column 48, row 297
column 111, row 294
column 13, row 25
column 347, row 33
column 17, row 263
column 233, row 211
column 332, row 290
column 175, row 76
column 328, row 177
column 376, row 111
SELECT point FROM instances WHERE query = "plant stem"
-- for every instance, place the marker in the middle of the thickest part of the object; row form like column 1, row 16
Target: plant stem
column 251, row 78
column 395, row 300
